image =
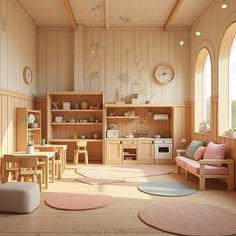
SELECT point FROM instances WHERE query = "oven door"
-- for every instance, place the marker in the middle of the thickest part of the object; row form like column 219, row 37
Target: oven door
column 163, row 151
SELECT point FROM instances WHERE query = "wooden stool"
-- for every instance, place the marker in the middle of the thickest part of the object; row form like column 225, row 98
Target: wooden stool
column 82, row 149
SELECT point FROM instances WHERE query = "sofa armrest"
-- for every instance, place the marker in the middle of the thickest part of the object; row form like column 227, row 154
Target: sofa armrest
column 216, row 161
column 180, row 151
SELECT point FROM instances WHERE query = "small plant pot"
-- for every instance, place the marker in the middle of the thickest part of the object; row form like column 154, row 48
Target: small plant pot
column 30, row 149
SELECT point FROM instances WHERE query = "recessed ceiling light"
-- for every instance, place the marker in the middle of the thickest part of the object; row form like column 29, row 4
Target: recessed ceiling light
column 224, row 5
column 181, row 42
column 198, row 33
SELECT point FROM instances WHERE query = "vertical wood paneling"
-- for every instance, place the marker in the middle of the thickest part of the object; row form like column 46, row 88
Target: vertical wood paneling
column 8, row 103
column 17, row 48
column 55, row 61
column 212, row 26
column 124, row 49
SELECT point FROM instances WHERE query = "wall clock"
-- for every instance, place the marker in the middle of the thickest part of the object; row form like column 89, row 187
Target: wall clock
column 164, row 73
column 27, row 75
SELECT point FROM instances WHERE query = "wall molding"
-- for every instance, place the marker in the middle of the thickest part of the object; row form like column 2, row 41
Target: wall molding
column 16, row 95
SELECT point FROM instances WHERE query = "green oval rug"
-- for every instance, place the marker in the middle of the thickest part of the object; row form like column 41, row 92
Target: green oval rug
column 166, row 188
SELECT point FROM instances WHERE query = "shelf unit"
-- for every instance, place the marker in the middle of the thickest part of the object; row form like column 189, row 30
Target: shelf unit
column 62, row 132
column 24, row 134
column 140, row 119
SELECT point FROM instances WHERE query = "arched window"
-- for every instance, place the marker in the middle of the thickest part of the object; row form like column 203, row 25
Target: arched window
column 232, row 85
column 203, row 91
column 227, row 82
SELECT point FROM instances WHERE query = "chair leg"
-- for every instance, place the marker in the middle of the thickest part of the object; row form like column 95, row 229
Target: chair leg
column 86, row 158
column 39, row 180
column 59, row 170
column 76, row 157
column 6, row 177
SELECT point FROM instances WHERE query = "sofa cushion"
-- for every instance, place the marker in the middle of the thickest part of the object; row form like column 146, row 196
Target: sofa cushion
column 194, row 167
column 180, row 160
column 214, row 151
column 199, row 153
column 193, row 146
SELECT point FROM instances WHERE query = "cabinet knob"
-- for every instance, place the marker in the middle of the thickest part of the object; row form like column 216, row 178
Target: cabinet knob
column 120, row 142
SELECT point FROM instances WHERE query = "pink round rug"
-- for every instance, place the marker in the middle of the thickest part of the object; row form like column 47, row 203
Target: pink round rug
column 189, row 219
column 78, row 201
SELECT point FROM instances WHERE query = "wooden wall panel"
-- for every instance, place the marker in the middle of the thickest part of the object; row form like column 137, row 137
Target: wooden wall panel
column 120, row 51
column 40, row 103
column 17, row 48
column 181, row 126
column 8, row 103
column 213, row 136
column 55, row 53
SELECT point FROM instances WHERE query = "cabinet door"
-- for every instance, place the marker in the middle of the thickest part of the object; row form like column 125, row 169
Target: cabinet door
column 113, row 152
column 145, row 151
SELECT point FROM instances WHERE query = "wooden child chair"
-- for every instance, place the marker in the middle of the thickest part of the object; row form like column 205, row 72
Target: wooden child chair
column 82, row 149
column 11, row 166
column 28, row 168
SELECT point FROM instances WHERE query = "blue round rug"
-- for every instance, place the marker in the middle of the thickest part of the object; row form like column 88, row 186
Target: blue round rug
column 166, row 188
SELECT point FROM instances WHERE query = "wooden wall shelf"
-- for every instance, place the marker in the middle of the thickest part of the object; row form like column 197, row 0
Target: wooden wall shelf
column 122, row 117
column 76, row 110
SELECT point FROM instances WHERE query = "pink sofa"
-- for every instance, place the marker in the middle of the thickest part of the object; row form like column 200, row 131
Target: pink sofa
column 204, row 169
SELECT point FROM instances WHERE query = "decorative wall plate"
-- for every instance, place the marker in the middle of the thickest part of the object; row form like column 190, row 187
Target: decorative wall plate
column 27, row 75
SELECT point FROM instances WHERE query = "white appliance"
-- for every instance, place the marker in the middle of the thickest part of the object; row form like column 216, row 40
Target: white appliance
column 112, row 133
column 163, row 148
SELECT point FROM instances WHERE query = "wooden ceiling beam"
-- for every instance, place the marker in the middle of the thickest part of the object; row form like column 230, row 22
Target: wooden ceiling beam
column 107, row 14
column 70, row 14
column 172, row 14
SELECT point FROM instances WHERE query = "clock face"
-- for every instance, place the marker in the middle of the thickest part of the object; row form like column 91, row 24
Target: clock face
column 164, row 73
column 27, row 75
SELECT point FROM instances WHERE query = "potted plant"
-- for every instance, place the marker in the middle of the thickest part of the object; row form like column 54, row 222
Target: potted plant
column 30, row 147
column 204, row 127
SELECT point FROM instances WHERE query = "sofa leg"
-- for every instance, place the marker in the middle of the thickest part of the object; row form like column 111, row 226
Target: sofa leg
column 179, row 169
column 186, row 174
column 201, row 183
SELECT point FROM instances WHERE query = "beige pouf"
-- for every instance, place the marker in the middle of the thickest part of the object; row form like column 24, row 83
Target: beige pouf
column 19, row 197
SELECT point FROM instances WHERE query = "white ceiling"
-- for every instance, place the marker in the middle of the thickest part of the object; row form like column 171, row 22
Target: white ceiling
column 122, row 13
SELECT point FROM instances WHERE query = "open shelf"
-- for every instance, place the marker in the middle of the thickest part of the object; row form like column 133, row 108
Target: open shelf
column 76, row 110
column 77, row 123
column 122, row 117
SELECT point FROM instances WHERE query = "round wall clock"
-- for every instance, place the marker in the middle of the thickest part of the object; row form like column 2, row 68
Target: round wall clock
column 27, row 75
column 164, row 73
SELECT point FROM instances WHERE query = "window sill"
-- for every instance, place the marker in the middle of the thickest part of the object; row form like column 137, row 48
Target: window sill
column 206, row 134
column 227, row 137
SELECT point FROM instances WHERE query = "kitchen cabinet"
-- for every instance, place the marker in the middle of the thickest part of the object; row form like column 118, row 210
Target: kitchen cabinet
column 145, row 151
column 113, row 152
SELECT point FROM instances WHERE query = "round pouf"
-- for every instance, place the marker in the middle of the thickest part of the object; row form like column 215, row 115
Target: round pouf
column 166, row 188
column 78, row 201
column 189, row 219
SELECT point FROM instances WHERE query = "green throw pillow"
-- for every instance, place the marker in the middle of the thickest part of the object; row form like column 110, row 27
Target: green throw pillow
column 193, row 146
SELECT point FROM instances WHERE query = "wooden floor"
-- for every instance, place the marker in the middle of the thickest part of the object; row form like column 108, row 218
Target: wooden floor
column 119, row 219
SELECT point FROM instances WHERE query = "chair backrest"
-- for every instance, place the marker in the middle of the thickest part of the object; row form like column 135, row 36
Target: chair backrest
column 11, row 161
column 81, row 144
column 28, row 163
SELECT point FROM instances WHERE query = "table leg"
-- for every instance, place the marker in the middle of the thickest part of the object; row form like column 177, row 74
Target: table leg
column 53, row 169
column 46, row 173
column 64, row 157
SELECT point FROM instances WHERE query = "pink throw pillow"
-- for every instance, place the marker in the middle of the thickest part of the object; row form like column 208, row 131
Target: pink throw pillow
column 215, row 151
column 199, row 153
